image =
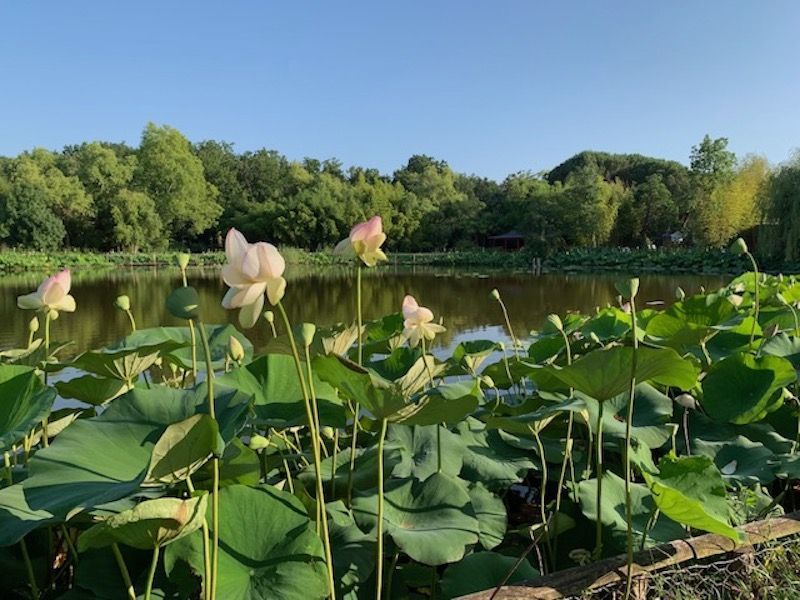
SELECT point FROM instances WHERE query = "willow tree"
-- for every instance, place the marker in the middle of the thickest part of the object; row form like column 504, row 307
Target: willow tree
column 781, row 211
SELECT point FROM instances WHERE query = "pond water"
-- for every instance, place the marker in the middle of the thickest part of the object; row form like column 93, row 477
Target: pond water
column 326, row 295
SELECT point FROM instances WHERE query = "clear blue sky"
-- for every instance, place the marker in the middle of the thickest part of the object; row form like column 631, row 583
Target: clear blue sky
column 492, row 87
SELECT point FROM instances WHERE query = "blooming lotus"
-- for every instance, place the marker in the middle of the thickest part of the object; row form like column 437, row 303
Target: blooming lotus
column 365, row 242
column 251, row 270
column 51, row 295
column 418, row 324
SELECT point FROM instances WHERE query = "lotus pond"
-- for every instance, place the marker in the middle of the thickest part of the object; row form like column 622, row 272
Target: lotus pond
column 427, row 453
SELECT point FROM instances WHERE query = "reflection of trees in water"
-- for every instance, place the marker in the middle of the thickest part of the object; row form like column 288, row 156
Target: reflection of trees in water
column 326, row 295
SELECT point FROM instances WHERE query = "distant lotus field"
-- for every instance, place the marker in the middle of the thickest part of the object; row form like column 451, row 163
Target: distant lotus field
column 349, row 461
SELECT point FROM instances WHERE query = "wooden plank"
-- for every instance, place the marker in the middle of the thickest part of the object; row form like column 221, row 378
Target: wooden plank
column 613, row 570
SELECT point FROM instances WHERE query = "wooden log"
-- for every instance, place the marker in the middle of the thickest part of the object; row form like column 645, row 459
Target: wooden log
column 612, row 570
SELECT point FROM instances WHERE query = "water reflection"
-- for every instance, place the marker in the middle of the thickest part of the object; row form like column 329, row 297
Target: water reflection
column 327, row 296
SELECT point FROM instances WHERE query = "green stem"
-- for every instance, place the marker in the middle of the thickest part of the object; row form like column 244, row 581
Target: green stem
column 359, row 321
column 212, row 411
column 390, row 574
column 123, row 570
column 151, row 574
column 543, row 490
column 7, row 464
column 333, row 464
column 206, row 549
column 356, row 406
column 756, row 302
column 131, row 319
column 510, row 330
column 29, row 568
column 598, row 544
column 70, row 546
column 315, row 451
column 193, row 335
column 45, row 422
column 438, row 425
column 379, row 528
column 628, row 426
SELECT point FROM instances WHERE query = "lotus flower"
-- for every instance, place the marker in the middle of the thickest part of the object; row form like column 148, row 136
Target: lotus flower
column 52, row 294
column 418, row 324
column 251, row 270
column 365, row 242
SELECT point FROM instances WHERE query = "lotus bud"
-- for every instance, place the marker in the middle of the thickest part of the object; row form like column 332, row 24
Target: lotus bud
column 730, row 468
column 595, row 338
column 738, row 247
column 780, row 298
column 183, row 260
column 53, row 314
column 123, row 302
column 501, row 346
column 495, row 294
column 686, row 401
column 628, row 288
column 235, row 349
column 33, row 325
column 258, row 442
column 680, row 295
column 269, row 316
column 307, row 332
column 327, row 432
column 555, row 321
column 487, row 381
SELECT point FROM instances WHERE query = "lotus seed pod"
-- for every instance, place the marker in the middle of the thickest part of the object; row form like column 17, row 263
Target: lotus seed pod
column 327, row 432
column 33, row 325
column 555, row 321
column 258, row 442
column 680, row 295
column 495, row 294
column 686, row 401
column 738, row 247
column 269, row 316
column 307, row 332
column 123, row 302
column 183, row 260
column 235, row 349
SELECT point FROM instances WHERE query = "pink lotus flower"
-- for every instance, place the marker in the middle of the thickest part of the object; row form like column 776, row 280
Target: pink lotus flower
column 52, row 294
column 365, row 242
column 418, row 322
column 251, row 270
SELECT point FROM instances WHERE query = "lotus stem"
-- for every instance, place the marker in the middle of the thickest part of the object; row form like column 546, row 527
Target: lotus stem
column 132, row 320
column 7, row 465
column 598, row 544
column 756, row 301
column 438, row 425
column 206, row 549
column 214, row 465
column 70, row 546
column 123, row 571
column 151, row 574
column 543, row 492
column 29, row 568
column 45, row 421
column 333, row 464
column 628, row 426
column 390, row 574
column 568, row 442
column 379, row 528
column 314, row 451
column 356, row 406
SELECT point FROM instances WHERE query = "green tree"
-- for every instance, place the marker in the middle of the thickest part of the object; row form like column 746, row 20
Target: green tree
column 27, row 216
column 780, row 234
column 170, row 173
column 135, row 222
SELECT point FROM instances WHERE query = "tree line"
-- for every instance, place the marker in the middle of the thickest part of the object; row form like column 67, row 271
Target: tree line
column 168, row 192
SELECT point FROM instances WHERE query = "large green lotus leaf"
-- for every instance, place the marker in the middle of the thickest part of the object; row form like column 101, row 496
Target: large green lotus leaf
column 488, row 459
column 491, row 514
column 124, row 366
column 150, row 524
column 418, row 451
column 24, row 402
column 743, row 389
column 546, row 348
column 483, row 571
column 652, row 412
column 277, row 397
column 92, row 390
column 431, row 521
column 268, row 547
column 607, row 324
column 353, row 550
column 397, row 363
column 98, row 460
column 218, row 341
column 447, row 403
column 518, row 369
column 691, row 491
column 375, row 394
column 740, row 460
column 701, row 427
column 784, row 346
column 603, row 374
column 365, row 473
column 612, row 512
column 522, row 423
column 687, row 323
column 238, row 465
column 733, row 339
column 183, row 448
column 469, row 355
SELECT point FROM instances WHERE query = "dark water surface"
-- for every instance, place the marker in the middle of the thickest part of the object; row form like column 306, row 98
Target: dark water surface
column 326, row 295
